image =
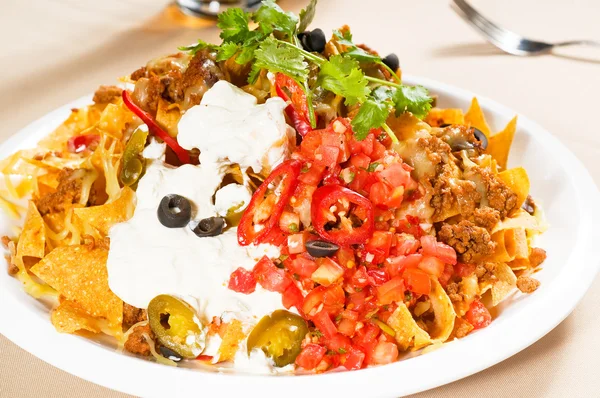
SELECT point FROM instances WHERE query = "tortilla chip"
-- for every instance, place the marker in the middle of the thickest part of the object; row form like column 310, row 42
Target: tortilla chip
column 517, row 180
column 78, row 120
column 503, row 283
column 516, row 243
column 68, row 317
column 10, row 208
column 79, row 274
column 519, row 264
column 469, row 288
column 437, row 117
column 115, row 118
column 499, row 144
column 105, row 216
column 408, row 333
column 475, row 118
column 32, row 241
column 443, row 311
column 521, row 219
column 406, row 125
column 167, row 116
column 231, row 340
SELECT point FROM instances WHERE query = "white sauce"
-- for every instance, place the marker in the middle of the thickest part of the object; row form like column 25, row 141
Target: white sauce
column 147, row 259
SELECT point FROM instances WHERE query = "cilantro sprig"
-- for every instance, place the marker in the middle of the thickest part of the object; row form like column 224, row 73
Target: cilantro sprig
column 274, row 46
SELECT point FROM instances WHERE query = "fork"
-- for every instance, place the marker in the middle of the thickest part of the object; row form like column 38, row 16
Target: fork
column 506, row 40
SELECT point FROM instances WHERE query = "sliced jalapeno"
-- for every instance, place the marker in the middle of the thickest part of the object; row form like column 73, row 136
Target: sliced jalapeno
column 176, row 326
column 280, row 336
column 133, row 165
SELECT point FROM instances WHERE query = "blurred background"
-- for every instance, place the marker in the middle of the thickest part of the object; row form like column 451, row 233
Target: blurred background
column 55, row 51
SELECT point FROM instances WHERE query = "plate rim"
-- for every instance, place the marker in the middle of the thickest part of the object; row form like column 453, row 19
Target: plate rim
column 116, row 370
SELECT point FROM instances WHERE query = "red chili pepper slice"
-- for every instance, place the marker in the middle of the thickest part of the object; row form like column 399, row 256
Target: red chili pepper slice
column 155, row 129
column 248, row 231
column 80, row 143
column 297, row 110
column 327, row 196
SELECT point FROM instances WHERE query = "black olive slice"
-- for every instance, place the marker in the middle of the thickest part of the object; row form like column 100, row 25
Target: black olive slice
column 529, row 205
column 392, row 61
column 174, row 211
column 211, row 226
column 321, row 248
column 169, row 354
column 313, row 41
column 480, row 137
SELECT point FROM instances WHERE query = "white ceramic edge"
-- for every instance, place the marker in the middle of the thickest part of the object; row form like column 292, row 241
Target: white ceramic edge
column 478, row 351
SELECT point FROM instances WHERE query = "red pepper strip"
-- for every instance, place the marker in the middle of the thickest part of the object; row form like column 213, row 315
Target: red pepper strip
column 155, row 129
column 297, row 109
column 327, row 196
column 80, row 143
column 247, row 232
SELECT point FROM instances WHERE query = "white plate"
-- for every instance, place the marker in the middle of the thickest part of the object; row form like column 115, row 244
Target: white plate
column 559, row 182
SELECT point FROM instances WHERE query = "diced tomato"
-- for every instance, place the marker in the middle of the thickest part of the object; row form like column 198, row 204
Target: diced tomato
column 365, row 146
column 313, row 300
column 366, row 339
column 289, row 222
column 446, row 275
column 417, row 281
column 395, row 175
column 296, row 243
column 360, row 161
column 360, row 278
column 334, row 299
column 397, row 265
column 303, row 265
column 358, row 301
column 385, row 352
column 332, row 176
column 292, row 297
column 242, row 281
column 431, row 247
column 379, row 194
column 373, row 256
column 275, row 237
column 345, row 257
column 410, row 225
column 378, row 150
column 359, row 181
column 380, row 240
column 391, row 291
column 347, row 327
column 406, row 244
column 396, row 198
column 313, row 175
column 354, row 359
column 339, row 343
column 338, row 140
column 377, row 277
column 432, row 265
column 328, row 272
column 478, row 315
column 327, row 155
column 310, row 143
column 310, row 356
column 80, row 143
column 464, row 270
column 323, row 322
column 270, row 277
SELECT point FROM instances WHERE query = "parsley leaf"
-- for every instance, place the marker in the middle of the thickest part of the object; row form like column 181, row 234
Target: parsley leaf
column 343, row 76
column 372, row 167
column 278, row 58
column 307, row 15
column 345, row 39
column 271, row 17
column 193, row 49
column 373, row 112
column 412, row 99
column 234, row 25
column 227, row 50
column 247, row 54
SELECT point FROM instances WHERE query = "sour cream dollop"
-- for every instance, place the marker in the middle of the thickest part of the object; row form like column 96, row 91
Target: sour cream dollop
column 147, row 259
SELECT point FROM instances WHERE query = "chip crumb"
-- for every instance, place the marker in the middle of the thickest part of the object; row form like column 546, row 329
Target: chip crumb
column 527, row 284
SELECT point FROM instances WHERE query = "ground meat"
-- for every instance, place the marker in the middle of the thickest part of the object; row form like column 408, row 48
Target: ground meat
column 67, row 192
column 453, row 292
column 12, row 268
column 461, row 328
column 133, row 315
column 106, row 94
column 469, row 241
column 527, row 284
column 136, row 342
column 460, row 137
column 537, row 257
column 486, row 217
column 5, row 241
column 138, row 73
column 499, row 196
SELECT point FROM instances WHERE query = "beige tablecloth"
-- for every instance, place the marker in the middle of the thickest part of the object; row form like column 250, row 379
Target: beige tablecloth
column 56, row 51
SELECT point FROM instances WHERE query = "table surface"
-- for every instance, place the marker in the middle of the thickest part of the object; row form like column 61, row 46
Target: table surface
column 56, row 51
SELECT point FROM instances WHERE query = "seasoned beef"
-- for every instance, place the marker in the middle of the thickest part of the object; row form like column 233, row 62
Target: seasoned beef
column 470, row 241
column 136, row 342
column 106, row 94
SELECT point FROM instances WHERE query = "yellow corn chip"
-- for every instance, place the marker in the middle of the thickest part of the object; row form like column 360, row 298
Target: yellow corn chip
column 408, row 333
column 475, row 118
column 443, row 312
column 32, row 241
column 115, row 118
column 516, row 243
column 105, row 216
column 78, row 120
column 519, row 264
column 437, row 117
column 517, row 180
column 503, row 283
column 231, row 340
column 68, row 317
column 79, row 274
column 469, row 288
column 167, row 116
column 499, row 144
